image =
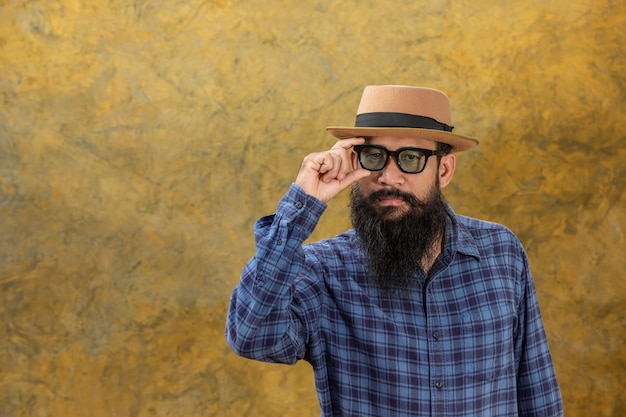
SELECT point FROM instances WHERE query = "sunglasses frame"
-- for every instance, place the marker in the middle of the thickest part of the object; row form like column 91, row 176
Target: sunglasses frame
column 427, row 153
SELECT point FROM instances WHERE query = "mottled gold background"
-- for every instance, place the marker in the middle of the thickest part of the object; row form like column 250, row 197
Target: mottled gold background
column 140, row 140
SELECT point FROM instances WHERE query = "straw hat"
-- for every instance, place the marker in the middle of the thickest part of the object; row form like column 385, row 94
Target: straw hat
column 404, row 111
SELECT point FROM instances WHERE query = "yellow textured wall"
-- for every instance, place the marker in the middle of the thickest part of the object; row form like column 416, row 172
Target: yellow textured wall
column 139, row 141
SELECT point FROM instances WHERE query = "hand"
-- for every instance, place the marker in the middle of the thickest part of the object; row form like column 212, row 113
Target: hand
column 324, row 174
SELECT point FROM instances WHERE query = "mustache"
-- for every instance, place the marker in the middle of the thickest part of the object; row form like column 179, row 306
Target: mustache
column 394, row 193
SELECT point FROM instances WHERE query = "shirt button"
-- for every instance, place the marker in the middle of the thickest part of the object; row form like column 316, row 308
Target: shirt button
column 279, row 242
column 436, row 335
column 439, row 384
column 299, row 204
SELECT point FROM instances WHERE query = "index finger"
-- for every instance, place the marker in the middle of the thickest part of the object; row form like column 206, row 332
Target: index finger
column 348, row 143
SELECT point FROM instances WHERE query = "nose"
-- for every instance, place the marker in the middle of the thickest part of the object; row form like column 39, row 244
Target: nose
column 391, row 175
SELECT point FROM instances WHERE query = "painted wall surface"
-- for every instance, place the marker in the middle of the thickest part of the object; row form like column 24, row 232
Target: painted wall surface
column 140, row 140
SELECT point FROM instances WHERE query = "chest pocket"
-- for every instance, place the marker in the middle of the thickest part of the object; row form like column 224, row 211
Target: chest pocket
column 488, row 342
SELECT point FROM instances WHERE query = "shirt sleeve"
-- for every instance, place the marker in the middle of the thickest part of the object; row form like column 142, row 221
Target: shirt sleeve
column 537, row 387
column 278, row 297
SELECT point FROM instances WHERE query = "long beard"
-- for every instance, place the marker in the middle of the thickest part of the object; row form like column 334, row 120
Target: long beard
column 397, row 241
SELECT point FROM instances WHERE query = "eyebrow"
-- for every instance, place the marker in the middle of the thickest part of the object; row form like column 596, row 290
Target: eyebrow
column 402, row 147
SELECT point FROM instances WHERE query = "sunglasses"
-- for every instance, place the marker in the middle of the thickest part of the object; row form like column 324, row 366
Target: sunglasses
column 409, row 160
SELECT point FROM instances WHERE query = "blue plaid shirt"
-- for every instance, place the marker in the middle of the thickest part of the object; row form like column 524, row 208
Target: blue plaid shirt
column 475, row 347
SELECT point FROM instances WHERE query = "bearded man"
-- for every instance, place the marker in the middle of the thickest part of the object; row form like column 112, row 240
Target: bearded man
column 417, row 310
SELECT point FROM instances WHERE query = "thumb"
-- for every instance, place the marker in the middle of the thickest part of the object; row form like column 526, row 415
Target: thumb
column 354, row 176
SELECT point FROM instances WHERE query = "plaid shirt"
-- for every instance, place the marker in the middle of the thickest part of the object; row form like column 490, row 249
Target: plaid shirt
column 475, row 347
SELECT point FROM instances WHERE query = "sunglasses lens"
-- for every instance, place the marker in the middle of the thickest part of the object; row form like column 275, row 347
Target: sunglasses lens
column 411, row 160
column 372, row 159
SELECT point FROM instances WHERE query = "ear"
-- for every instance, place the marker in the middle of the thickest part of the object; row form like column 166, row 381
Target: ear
column 354, row 158
column 446, row 169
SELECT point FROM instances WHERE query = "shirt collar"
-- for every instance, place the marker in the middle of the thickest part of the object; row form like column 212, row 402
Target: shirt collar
column 458, row 237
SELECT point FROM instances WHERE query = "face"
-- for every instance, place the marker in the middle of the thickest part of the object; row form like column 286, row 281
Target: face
column 392, row 178
column 400, row 217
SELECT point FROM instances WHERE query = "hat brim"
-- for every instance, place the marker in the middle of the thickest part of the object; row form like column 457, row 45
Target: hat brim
column 459, row 143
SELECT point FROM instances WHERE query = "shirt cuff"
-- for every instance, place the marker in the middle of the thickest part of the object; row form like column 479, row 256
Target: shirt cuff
column 297, row 203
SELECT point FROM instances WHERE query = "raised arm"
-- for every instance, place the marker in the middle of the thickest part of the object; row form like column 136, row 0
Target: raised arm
column 276, row 304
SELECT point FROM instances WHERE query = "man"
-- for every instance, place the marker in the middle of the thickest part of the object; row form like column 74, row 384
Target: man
column 417, row 311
